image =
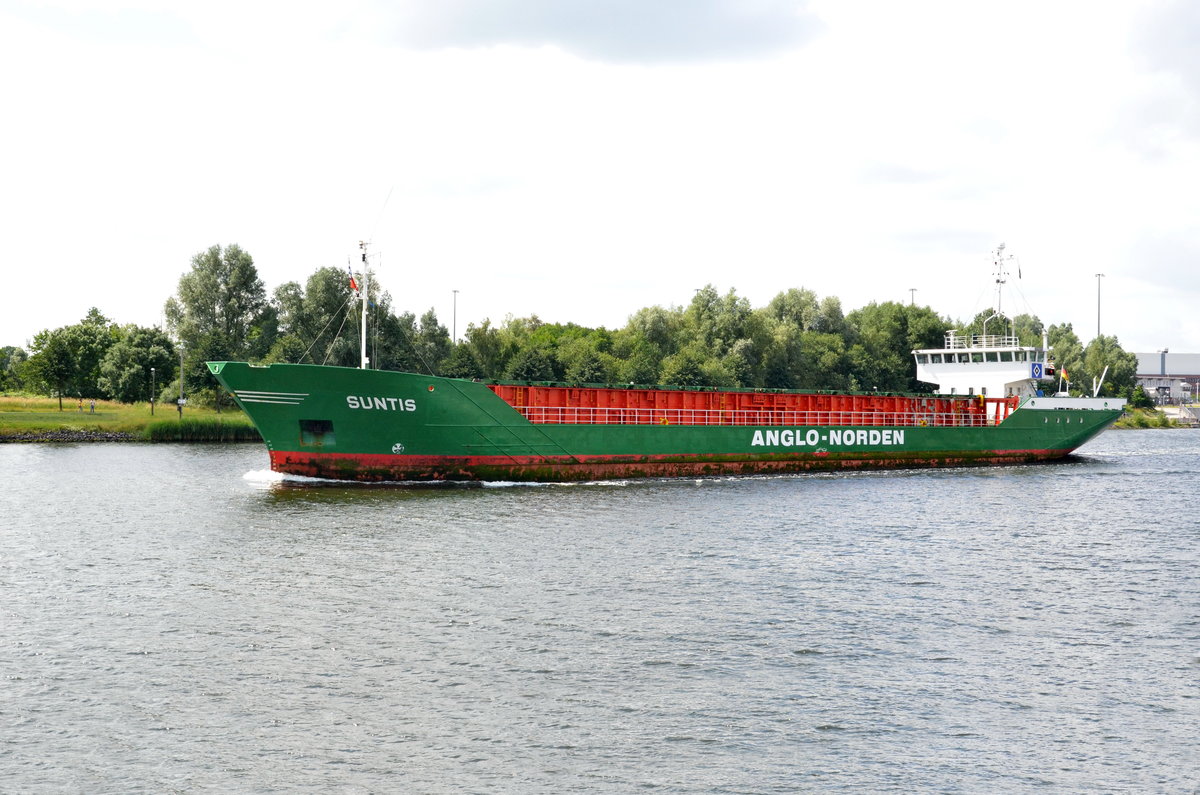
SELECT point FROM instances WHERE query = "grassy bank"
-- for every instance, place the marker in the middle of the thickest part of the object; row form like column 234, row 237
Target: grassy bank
column 1145, row 418
column 26, row 418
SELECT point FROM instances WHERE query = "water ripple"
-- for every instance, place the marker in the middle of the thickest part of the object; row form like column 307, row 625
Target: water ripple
column 173, row 625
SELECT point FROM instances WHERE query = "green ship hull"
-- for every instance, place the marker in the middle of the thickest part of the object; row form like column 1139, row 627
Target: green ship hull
column 374, row 425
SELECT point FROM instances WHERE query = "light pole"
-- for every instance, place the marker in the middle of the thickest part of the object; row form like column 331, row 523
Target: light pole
column 454, row 322
column 152, row 391
column 180, row 403
column 912, row 295
column 1099, row 276
column 1162, row 367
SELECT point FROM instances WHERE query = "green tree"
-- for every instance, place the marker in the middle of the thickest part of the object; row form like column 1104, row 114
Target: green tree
column 497, row 347
column 486, row 347
column 583, row 354
column 823, row 362
column 1138, row 399
column 531, row 364
column 288, row 348
column 742, row 364
column 1066, row 351
column 590, row 368
column 636, row 359
column 884, row 336
column 716, row 321
column 317, row 323
column 685, row 368
column 392, row 338
column 830, row 319
column 1028, row 330
column 12, row 360
column 220, row 312
column 66, row 360
column 432, row 342
column 662, row 328
column 781, row 361
column 736, row 341
column 1105, row 358
column 52, row 363
column 798, row 306
column 125, row 370
column 462, row 363
column 90, row 340
column 321, row 323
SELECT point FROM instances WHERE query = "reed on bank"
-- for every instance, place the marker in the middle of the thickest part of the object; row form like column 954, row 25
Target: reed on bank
column 202, row 429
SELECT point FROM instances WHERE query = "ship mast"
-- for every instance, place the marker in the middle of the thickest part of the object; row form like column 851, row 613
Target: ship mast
column 1001, row 280
column 362, row 295
column 1001, row 277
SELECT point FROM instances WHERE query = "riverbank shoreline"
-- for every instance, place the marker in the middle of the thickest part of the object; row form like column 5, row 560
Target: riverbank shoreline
column 239, row 435
column 70, row 436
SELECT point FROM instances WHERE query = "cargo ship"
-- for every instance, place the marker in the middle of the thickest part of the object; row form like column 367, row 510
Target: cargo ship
column 374, row 425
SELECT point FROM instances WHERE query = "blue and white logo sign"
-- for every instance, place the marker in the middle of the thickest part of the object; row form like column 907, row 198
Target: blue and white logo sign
column 1035, row 370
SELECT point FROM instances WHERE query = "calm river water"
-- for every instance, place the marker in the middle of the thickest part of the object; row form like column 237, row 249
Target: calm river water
column 174, row 619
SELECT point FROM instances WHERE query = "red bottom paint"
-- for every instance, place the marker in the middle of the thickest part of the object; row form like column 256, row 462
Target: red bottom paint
column 346, row 466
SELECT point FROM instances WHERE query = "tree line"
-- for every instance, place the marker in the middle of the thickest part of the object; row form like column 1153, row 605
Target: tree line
column 222, row 311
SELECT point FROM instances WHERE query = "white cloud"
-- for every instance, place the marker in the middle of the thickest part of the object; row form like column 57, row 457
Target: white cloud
column 536, row 168
column 608, row 30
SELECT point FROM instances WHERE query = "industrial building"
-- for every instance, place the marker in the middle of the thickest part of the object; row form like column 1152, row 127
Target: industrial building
column 1170, row 378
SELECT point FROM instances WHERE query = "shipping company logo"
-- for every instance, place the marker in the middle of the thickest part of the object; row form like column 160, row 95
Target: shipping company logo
column 397, row 448
column 380, row 403
column 280, row 398
column 789, row 437
column 1035, row 370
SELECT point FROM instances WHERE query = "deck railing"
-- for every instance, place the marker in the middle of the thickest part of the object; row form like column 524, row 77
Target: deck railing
column 626, row 416
column 958, row 341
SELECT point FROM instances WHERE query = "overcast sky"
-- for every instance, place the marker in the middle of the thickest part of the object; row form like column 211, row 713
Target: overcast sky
column 581, row 159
